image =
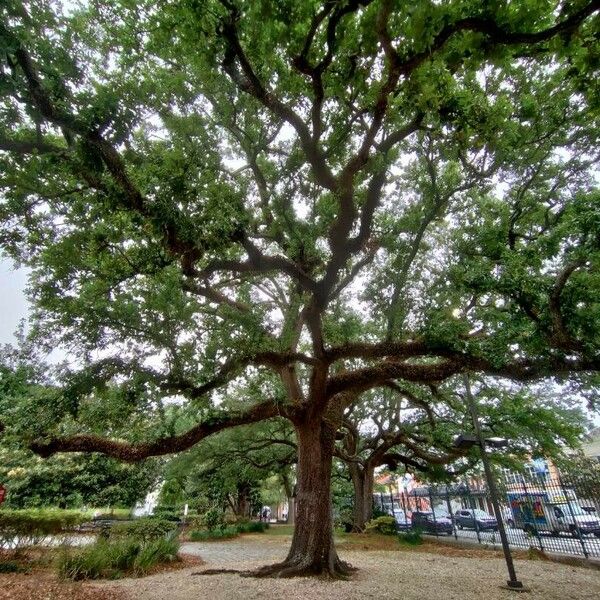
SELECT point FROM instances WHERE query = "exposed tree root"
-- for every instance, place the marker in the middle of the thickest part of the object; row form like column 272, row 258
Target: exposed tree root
column 218, row 571
column 287, row 569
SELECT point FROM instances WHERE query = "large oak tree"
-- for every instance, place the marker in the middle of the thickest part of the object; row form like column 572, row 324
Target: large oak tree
column 294, row 201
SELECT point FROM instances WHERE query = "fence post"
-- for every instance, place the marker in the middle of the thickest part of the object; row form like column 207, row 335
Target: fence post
column 435, row 530
column 449, row 507
column 471, row 502
column 403, row 501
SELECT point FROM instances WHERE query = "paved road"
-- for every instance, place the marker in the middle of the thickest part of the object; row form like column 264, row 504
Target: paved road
column 563, row 543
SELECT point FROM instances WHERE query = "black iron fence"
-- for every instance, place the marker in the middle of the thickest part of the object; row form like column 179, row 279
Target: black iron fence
column 547, row 511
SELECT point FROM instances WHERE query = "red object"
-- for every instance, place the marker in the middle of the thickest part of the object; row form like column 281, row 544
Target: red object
column 2, row 493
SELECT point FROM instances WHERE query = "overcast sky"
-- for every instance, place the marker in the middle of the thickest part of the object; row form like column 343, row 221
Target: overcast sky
column 13, row 305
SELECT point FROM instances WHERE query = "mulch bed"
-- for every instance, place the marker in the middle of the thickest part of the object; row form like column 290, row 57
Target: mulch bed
column 40, row 582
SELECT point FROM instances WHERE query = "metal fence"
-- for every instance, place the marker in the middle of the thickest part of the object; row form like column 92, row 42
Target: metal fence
column 547, row 511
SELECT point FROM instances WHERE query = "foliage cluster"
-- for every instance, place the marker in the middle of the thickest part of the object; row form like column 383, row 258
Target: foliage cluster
column 112, row 559
column 214, row 519
column 582, row 473
column 73, row 481
column 144, row 530
column 167, row 513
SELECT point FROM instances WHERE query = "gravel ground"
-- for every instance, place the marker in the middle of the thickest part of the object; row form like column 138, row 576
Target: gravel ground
column 382, row 575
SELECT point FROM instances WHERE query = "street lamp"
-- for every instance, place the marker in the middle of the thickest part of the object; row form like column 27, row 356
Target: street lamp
column 468, row 440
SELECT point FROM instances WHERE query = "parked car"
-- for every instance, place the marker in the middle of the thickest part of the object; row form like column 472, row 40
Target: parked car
column 475, row 518
column 441, row 512
column 402, row 520
column 430, row 523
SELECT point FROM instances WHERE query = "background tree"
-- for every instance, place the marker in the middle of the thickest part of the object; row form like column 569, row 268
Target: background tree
column 74, row 481
column 66, row 481
column 583, row 474
column 297, row 202
column 412, row 429
column 396, row 427
column 229, row 469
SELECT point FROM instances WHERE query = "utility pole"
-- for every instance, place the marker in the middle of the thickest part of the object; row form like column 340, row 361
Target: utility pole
column 513, row 583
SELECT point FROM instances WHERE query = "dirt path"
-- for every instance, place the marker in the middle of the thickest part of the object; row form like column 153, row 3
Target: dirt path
column 382, row 575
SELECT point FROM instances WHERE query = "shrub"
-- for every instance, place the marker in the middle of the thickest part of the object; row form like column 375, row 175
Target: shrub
column 113, row 559
column 412, row 537
column 214, row 519
column 252, row 527
column 145, row 529
column 214, row 534
column 23, row 528
column 167, row 513
column 385, row 525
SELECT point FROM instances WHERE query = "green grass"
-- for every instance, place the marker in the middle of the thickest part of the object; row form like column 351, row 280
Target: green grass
column 280, row 530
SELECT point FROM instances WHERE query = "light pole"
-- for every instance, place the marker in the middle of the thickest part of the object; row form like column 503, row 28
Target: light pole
column 479, row 440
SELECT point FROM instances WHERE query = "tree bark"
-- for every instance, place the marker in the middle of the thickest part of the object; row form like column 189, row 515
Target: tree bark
column 312, row 551
column 362, row 480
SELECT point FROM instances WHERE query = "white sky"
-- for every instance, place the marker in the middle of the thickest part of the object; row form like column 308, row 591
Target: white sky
column 13, row 304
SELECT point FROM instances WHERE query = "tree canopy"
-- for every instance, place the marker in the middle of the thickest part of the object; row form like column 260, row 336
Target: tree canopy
column 266, row 208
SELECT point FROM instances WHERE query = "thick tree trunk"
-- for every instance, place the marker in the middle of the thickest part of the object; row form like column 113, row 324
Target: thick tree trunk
column 362, row 480
column 312, row 551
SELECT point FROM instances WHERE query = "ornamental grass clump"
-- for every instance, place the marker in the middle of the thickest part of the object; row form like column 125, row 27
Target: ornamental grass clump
column 112, row 559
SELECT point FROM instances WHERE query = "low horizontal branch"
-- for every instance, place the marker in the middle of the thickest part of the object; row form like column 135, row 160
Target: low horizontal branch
column 134, row 452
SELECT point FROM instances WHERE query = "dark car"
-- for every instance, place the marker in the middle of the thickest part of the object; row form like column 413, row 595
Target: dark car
column 475, row 518
column 427, row 522
column 402, row 520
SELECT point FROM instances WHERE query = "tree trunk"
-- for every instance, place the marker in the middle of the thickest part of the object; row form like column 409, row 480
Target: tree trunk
column 312, row 551
column 243, row 496
column 362, row 480
column 291, row 520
